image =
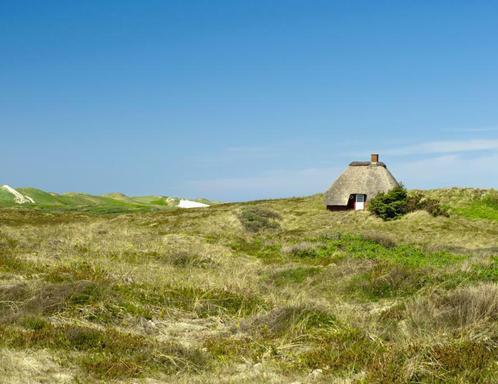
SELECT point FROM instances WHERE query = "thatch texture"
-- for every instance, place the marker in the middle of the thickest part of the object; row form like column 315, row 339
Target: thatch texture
column 360, row 178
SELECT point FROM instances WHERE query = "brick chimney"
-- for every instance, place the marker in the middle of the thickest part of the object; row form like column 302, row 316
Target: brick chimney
column 374, row 158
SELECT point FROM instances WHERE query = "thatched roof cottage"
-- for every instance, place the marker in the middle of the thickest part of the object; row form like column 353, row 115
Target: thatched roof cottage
column 361, row 181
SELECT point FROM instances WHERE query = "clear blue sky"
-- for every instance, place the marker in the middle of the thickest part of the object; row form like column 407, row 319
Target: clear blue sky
column 237, row 100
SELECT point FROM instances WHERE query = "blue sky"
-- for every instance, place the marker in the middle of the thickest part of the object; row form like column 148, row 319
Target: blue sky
column 238, row 100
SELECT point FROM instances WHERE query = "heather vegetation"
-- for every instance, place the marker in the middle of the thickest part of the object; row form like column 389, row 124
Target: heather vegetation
column 276, row 291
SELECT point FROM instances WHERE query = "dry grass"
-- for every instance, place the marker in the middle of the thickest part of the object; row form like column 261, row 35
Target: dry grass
column 33, row 367
column 458, row 308
column 269, row 292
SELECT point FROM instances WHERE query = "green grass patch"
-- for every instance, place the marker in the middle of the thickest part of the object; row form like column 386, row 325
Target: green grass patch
column 296, row 275
column 478, row 210
column 385, row 280
column 241, row 348
column 81, row 270
column 268, row 252
column 484, row 207
column 406, row 255
column 475, row 274
column 485, row 272
column 15, row 264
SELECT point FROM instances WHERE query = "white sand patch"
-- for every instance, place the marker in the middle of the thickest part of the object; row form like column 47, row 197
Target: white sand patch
column 19, row 198
column 191, row 204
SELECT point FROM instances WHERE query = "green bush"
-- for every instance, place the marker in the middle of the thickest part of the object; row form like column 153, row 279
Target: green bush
column 256, row 219
column 397, row 202
column 389, row 205
column 418, row 201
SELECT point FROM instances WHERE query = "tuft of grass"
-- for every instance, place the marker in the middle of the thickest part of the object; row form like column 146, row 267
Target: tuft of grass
column 304, row 249
column 11, row 263
column 460, row 307
column 79, row 271
column 186, row 259
column 470, row 360
column 341, row 349
column 294, row 275
column 385, row 280
column 48, row 299
column 240, row 348
column 33, row 322
column 296, row 319
column 109, row 367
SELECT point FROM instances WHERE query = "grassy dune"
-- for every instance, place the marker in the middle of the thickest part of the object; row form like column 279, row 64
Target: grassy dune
column 278, row 291
column 111, row 203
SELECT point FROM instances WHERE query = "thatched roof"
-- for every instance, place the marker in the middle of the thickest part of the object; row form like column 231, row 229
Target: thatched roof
column 360, row 178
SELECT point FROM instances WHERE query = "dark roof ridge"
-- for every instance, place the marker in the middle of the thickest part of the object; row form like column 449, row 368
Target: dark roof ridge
column 366, row 163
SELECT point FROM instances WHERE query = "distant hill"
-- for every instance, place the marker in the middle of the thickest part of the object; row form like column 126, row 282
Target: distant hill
column 111, row 202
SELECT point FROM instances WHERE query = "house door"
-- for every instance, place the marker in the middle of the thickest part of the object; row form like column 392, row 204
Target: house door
column 359, row 202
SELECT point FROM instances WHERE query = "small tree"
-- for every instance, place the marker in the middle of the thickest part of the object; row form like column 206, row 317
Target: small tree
column 389, row 205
